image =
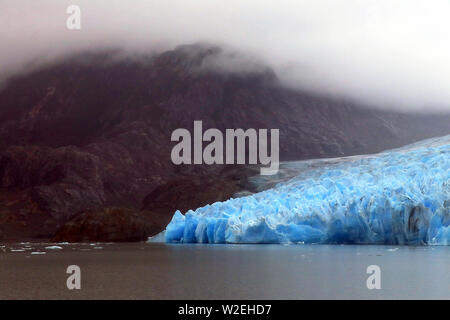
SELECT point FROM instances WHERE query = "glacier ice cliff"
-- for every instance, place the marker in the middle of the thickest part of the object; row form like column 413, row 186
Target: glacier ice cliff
column 400, row 196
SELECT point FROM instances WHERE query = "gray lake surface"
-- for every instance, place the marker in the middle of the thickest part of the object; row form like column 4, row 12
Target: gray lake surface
column 163, row 271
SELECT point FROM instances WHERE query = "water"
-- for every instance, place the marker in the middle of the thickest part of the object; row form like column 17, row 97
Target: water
column 161, row 271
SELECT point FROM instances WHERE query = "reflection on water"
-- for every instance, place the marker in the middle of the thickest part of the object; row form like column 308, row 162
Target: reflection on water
column 161, row 271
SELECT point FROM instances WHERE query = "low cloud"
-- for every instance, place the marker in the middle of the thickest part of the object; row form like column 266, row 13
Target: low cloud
column 389, row 54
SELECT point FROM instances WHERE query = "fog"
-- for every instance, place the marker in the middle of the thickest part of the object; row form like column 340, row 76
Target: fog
column 389, row 54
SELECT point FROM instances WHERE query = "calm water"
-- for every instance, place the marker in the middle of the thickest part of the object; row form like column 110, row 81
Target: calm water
column 159, row 271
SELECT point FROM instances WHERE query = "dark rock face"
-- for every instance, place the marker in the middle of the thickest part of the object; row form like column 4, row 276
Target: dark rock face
column 109, row 224
column 197, row 190
column 86, row 134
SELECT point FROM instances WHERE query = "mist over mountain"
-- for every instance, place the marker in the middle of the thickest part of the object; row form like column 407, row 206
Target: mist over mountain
column 385, row 54
column 92, row 132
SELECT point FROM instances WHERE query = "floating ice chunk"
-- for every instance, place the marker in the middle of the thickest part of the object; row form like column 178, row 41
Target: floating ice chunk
column 39, row 252
column 53, row 247
column 400, row 196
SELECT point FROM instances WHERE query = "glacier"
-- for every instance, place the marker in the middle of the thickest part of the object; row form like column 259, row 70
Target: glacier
column 399, row 196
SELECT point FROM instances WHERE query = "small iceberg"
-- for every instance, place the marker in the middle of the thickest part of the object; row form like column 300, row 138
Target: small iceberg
column 54, row 248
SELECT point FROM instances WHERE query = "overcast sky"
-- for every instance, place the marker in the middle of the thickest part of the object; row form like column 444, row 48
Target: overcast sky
column 392, row 53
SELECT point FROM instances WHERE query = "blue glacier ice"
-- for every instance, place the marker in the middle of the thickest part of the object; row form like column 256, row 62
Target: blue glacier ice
column 400, row 196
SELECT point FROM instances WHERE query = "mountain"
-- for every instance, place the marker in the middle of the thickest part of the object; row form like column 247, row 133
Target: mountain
column 90, row 135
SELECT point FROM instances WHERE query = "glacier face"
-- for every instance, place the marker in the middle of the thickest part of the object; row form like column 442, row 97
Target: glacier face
column 400, row 196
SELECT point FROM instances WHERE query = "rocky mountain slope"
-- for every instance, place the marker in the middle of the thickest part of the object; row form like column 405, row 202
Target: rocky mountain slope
column 93, row 132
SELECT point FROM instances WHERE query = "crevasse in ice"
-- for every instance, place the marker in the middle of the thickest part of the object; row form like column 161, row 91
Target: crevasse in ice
column 400, row 196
